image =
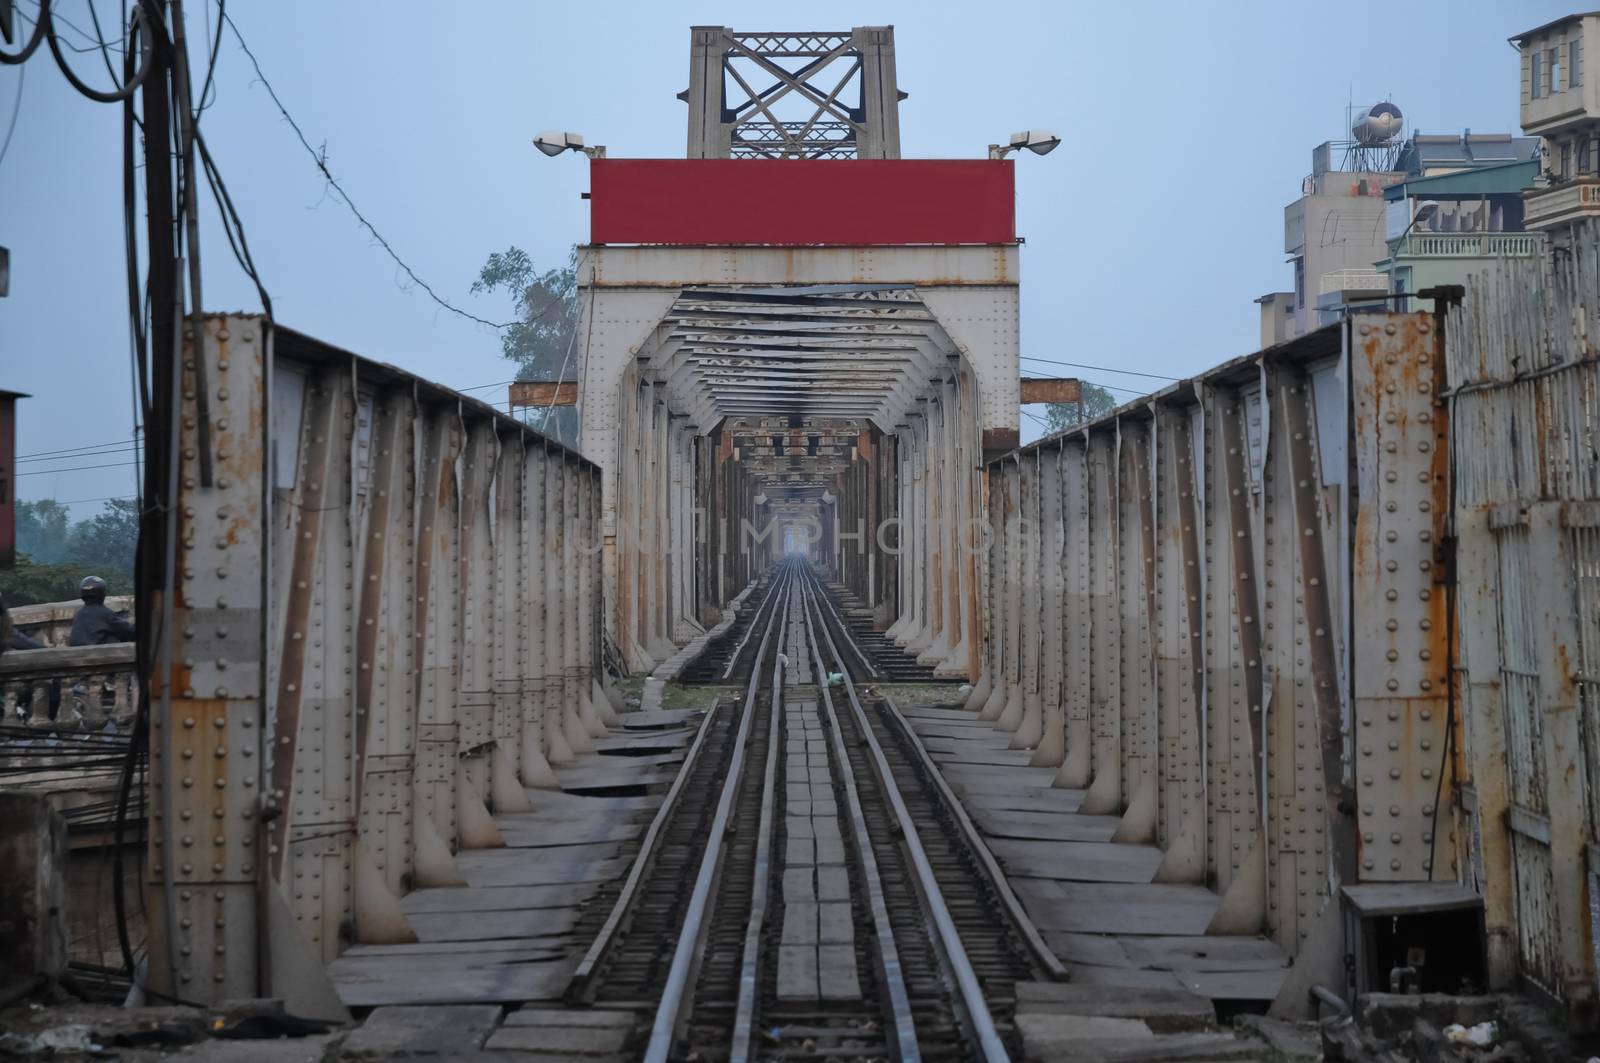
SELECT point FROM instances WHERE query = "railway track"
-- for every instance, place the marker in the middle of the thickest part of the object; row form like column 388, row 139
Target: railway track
column 809, row 888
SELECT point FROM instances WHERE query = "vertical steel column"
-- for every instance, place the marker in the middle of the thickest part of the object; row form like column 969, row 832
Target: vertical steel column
column 1104, row 796
column 437, row 649
column 387, row 678
column 1030, row 725
column 1052, row 583
column 206, row 886
column 1078, row 615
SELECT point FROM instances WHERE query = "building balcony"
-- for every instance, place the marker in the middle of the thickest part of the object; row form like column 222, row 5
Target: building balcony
column 1364, row 279
column 1469, row 245
column 1562, row 204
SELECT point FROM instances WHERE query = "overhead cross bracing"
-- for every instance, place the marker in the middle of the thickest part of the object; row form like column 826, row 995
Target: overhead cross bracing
column 854, row 350
column 812, row 95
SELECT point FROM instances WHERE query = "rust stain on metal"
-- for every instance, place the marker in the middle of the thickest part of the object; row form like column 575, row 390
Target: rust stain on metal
column 1051, row 389
column 1001, row 438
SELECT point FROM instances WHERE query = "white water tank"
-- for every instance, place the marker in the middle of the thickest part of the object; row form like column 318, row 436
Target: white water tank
column 1381, row 124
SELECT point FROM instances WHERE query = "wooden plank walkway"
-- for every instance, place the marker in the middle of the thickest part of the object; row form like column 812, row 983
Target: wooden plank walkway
column 1095, row 901
column 507, row 935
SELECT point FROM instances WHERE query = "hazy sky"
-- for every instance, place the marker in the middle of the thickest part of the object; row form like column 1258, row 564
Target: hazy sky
column 1187, row 127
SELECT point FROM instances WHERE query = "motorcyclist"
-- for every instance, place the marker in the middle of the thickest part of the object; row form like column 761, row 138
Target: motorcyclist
column 95, row 624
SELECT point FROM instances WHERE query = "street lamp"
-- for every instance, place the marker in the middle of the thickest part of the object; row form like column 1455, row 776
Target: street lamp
column 1038, row 141
column 553, row 142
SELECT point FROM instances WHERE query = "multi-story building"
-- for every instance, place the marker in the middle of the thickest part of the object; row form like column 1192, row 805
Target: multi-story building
column 1440, row 204
column 1448, row 227
column 1561, row 105
column 1333, row 234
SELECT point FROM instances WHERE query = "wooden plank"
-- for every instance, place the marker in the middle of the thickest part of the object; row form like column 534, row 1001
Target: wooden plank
column 1048, row 826
column 1078, row 861
column 543, row 923
column 469, row 978
column 482, row 868
column 1206, row 953
column 496, row 899
column 1234, row 985
column 553, row 834
column 543, row 393
column 1101, row 908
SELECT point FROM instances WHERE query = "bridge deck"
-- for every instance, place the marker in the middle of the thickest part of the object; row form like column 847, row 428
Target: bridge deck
column 1094, row 900
column 507, row 934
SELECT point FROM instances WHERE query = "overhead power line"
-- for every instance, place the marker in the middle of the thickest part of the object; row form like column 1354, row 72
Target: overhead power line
column 77, row 468
column 320, row 158
column 1100, row 368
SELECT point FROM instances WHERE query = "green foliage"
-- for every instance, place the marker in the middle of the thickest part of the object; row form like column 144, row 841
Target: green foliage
column 541, row 342
column 1097, row 402
column 42, row 530
column 54, row 553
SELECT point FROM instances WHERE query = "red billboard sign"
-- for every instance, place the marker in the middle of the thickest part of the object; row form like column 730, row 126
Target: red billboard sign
column 802, row 202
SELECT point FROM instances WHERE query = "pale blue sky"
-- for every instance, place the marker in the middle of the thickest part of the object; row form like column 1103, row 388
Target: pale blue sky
column 1188, row 127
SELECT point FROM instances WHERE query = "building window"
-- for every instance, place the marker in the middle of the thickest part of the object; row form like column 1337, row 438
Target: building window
column 1299, row 283
column 1554, row 57
column 1566, row 159
column 1575, row 62
column 1535, row 75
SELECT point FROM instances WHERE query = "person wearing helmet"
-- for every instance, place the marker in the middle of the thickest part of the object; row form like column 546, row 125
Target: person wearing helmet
column 95, row 624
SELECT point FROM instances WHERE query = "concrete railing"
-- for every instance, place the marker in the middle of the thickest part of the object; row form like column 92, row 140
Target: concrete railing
column 90, row 686
column 51, row 622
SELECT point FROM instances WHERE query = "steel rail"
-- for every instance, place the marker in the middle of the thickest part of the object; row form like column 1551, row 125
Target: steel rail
column 760, row 888
column 578, row 986
column 733, row 658
column 977, row 1007
column 683, row 956
column 1042, row 953
column 872, row 669
column 888, row 952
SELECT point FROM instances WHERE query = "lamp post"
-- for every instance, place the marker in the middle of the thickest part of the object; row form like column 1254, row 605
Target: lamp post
column 553, row 142
column 1038, row 141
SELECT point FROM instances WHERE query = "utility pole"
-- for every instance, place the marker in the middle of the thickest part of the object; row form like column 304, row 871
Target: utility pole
column 157, row 524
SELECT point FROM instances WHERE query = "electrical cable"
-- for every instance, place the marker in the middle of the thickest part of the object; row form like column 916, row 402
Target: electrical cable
column 86, row 454
column 16, row 112
column 1100, row 368
column 215, row 44
column 320, row 159
column 76, row 468
column 18, row 58
column 126, row 90
column 74, row 450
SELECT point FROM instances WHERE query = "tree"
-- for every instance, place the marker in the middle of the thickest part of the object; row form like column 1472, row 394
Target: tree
column 53, row 554
column 541, row 342
column 42, row 530
column 1097, row 402
column 109, row 539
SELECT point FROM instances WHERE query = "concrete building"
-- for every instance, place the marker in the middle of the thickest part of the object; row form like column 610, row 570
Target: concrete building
column 1561, row 105
column 1446, row 228
column 1340, row 234
column 1333, row 234
column 1277, row 318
